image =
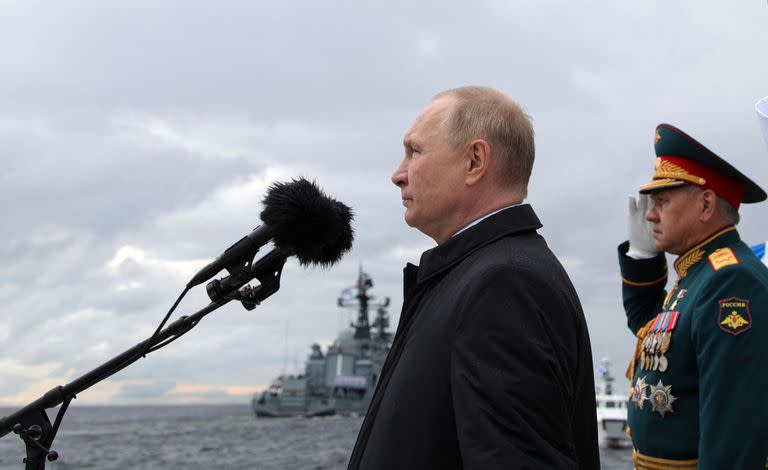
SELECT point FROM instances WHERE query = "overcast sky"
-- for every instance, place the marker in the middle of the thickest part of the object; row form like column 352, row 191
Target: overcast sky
column 137, row 140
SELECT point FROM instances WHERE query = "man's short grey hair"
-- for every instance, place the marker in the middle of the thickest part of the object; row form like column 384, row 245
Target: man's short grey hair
column 730, row 213
column 485, row 113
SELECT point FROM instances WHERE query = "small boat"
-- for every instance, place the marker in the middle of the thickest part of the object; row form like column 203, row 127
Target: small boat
column 611, row 410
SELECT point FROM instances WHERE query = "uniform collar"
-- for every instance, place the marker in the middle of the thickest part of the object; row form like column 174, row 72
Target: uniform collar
column 690, row 258
column 509, row 221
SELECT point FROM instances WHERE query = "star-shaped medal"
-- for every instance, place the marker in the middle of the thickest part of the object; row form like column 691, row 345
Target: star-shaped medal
column 662, row 398
column 639, row 393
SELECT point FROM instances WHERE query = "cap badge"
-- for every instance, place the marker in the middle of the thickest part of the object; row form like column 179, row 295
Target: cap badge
column 667, row 169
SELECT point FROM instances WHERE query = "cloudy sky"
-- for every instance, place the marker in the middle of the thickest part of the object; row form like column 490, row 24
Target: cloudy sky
column 137, row 140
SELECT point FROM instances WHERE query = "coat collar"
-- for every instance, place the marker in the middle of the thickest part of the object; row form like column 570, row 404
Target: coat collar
column 725, row 237
column 516, row 219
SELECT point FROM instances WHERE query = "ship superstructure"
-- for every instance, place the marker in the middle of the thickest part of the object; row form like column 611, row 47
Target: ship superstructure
column 342, row 379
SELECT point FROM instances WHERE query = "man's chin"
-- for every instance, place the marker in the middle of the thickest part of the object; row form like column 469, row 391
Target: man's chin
column 662, row 247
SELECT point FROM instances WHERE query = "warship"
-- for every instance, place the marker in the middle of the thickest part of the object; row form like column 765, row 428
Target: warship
column 342, row 379
column 611, row 410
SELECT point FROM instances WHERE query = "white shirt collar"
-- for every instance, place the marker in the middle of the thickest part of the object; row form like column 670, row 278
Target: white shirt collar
column 477, row 221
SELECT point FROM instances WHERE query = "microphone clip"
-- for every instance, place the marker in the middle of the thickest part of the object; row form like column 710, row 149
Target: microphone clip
column 235, row 286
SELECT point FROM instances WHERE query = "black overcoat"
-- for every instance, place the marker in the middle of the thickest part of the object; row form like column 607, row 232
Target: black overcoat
column 491, row 366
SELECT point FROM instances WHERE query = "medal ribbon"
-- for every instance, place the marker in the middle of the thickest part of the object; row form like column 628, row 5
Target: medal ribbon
column 665, row 322
column 673, row 322
column 655, row 325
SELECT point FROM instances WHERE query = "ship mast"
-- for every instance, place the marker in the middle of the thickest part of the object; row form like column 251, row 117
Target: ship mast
column 362, row 302
column 605, row 375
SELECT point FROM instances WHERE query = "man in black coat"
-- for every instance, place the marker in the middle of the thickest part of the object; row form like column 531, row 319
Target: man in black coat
column 491, row 365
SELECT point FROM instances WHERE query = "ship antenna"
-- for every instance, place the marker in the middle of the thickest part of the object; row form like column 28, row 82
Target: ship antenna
column 362, row 302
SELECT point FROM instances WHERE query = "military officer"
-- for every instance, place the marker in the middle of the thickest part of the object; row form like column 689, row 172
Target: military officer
column 699, row 375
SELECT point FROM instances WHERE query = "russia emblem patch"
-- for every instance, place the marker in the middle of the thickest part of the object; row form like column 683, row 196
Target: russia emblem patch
column 734, row 317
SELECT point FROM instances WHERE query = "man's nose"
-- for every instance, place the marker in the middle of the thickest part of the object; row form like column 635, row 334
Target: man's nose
column 400, row 176
column 651, row 214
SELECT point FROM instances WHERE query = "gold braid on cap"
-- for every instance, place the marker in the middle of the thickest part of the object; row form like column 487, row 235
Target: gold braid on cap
column 666, row 169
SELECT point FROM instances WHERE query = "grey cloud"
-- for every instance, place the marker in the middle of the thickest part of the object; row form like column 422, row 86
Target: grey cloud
column 245, row 90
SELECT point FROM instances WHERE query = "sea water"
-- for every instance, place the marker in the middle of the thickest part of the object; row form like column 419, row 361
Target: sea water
column 204, row 437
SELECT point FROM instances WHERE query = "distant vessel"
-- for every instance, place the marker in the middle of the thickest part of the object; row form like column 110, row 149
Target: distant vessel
column 341, row 380
column 611, row 410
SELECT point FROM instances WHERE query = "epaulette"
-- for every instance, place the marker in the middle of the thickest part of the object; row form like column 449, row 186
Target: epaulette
column 722, row 258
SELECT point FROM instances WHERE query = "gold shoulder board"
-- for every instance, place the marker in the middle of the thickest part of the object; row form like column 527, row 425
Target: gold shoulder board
column 722, row 258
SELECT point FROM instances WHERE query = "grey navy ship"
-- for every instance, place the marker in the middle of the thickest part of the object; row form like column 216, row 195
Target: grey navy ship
column 342, row 379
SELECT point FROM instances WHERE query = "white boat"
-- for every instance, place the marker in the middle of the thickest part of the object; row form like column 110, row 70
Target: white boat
column 611, row 410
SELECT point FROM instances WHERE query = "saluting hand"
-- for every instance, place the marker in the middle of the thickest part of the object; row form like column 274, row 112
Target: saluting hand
column 641, row 244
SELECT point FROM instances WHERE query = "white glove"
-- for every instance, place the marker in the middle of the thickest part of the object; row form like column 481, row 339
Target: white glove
column 641, row 244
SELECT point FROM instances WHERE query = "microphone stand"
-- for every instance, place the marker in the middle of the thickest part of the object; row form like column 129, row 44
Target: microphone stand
column 31, row 422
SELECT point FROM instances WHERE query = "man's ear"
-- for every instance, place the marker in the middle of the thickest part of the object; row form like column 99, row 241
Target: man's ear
column 478, row 160
column 708, row 201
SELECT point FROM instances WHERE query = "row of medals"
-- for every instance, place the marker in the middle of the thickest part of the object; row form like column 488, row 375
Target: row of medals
column 655, row 346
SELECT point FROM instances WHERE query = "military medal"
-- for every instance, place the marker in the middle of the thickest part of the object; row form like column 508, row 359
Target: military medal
column 649, row 345
column 659, row 339
column 666, row 342
column 638, row 393
column 657, row 342
column 661, row 398
column 647, row 359
column 678, row 298
column 665, row 339
column 663, row 363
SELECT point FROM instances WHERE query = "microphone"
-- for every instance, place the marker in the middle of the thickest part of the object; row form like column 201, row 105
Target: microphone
column 300, row 220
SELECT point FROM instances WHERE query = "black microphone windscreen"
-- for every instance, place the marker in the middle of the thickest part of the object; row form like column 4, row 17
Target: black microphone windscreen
column 315, row 227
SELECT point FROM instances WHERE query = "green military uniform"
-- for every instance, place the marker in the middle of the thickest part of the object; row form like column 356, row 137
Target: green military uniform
column 699, row 377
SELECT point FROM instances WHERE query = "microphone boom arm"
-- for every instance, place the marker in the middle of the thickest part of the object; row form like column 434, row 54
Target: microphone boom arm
column 31, row 422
